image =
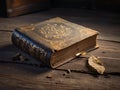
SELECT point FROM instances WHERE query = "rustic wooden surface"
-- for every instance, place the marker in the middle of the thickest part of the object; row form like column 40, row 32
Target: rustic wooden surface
column 21, row 76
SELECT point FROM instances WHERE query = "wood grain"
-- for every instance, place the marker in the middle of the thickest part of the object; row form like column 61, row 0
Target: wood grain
column 28, row 77
column 21, row 76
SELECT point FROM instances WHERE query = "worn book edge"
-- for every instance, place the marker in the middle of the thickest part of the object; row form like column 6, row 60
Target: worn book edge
column 33, row 47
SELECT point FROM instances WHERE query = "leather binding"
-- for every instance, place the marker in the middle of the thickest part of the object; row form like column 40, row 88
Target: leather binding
column 54, row 41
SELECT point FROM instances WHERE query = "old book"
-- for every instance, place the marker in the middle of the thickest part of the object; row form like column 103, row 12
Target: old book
column 54, row 41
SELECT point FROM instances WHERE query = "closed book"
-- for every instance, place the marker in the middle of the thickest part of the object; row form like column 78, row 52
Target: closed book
column 54, row 41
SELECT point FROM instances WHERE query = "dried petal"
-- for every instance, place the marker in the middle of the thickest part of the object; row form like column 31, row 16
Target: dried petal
column 96, row 64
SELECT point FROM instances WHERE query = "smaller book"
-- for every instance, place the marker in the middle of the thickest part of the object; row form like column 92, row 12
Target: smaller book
column 54, row 41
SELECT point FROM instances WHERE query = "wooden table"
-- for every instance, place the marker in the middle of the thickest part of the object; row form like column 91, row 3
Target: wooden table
column 21, row 76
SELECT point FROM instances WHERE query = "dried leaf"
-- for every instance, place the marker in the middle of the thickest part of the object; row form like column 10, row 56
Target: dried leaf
column 96, row 64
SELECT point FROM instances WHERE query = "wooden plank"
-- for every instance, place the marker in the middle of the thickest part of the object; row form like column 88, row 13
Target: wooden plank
column 27, row 77
column 108, row 49
column 107, row 23
column 80, row 65
column 21, row 76
column 109, row 53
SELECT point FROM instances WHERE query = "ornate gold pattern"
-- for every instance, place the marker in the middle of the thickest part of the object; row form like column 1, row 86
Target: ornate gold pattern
column 54, row 31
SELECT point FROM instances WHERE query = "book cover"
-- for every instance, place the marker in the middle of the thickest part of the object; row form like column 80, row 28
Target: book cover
column 54, row 41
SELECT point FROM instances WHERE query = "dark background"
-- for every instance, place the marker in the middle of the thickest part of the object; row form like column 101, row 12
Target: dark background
column 112, row 5
column 10, row 8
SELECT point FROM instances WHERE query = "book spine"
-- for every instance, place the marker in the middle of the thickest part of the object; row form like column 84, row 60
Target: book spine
column 29, row 46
